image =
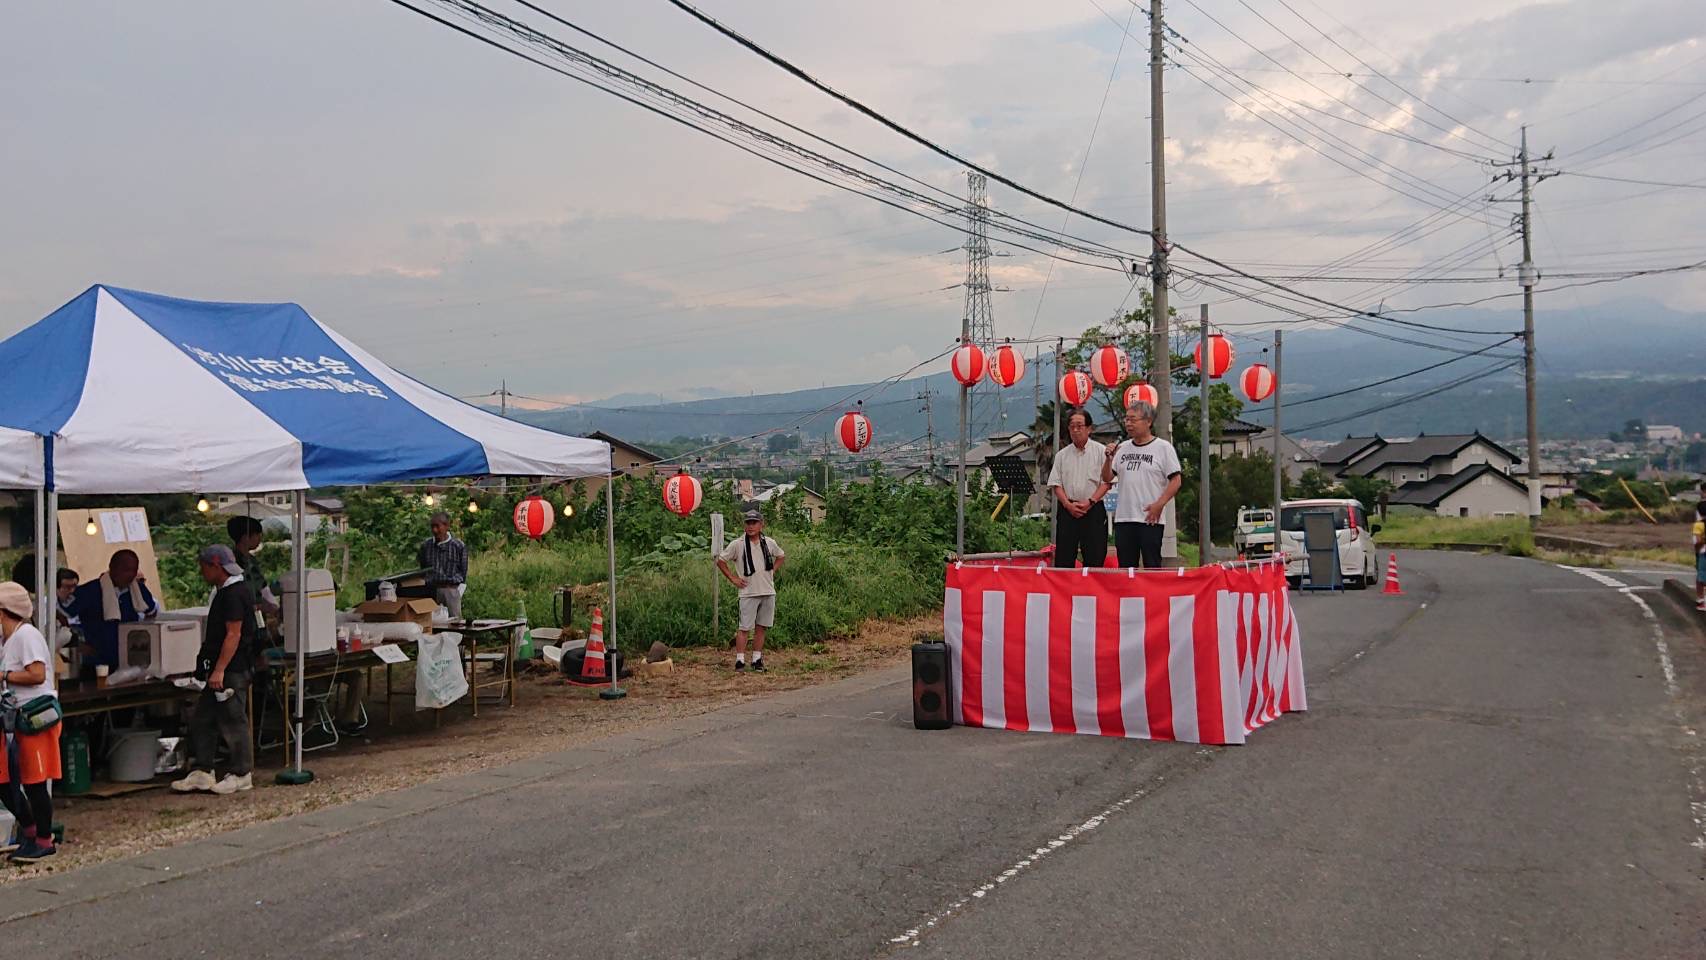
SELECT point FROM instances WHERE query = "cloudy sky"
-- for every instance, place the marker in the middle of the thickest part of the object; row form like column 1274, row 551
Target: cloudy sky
column 474, row 218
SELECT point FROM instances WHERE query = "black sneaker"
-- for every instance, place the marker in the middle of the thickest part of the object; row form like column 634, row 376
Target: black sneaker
column 741, row 665
column 30, row 852
column 758, row 666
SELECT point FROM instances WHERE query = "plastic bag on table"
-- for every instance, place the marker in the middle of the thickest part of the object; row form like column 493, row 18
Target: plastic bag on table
column 439, row 680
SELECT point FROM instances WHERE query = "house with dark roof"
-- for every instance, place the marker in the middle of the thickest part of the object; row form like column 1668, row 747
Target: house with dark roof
column 1430, row 458
column 1481, row 490
column 1339, row 457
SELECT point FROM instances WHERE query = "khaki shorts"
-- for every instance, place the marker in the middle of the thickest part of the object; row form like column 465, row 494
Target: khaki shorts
column 757, row 612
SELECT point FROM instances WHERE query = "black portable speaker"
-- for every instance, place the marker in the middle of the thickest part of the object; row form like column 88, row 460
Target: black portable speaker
column 932, row 696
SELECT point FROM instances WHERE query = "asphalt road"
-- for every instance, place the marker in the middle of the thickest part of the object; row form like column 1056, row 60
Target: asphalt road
column 1494, row 765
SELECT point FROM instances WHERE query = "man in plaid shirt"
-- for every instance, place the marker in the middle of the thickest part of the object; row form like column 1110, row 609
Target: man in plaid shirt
column 446, row 559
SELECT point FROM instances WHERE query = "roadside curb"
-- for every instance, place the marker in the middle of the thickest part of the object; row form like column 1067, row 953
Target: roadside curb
column 1456, row 547
column 1680, row 595
column 84, row 884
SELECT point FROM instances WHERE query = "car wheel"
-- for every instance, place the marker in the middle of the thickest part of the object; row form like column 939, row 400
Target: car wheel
column 1292, row 583
column 1356, row 583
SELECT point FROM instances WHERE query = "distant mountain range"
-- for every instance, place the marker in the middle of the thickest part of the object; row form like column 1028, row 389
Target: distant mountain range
column 1597, row 370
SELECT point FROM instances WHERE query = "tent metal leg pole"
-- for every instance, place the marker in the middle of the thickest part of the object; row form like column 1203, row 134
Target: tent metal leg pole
column 50, row 565
column 299, row 562
column 615, row 692
column 44, row 616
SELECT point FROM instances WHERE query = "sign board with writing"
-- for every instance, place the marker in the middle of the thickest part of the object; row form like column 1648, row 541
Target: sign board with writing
column 1321, row 552
column 116, row 528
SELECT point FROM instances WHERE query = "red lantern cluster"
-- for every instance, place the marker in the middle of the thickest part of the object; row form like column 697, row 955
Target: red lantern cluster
column 534, row 517
column 1258, row 382
column 1075, row 388
column 1109, row 366
column 1219, row 356
column 1141, row 391
column 682, row 494
column 1008, row 367
column 969, row 364
column 854, row 431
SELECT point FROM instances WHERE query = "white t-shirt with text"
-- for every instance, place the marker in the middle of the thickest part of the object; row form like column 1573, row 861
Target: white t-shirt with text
column 1140, row 475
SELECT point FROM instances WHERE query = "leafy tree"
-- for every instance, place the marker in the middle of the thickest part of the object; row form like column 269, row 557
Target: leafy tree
column 1312, row 485
column 1367, row 491
column 782, row 442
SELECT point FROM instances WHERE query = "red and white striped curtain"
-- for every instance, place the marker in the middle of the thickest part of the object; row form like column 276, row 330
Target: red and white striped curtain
column 1204, row 655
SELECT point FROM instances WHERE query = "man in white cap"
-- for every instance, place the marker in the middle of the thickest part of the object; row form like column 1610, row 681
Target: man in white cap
column 225, row 664
column 759, row 560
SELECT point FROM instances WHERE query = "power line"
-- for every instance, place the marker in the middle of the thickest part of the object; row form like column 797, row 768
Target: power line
column 1412, row 398
column 1695, row 185
column 1084, row 164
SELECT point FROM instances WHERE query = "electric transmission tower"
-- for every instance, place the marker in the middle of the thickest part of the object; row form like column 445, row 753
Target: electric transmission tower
column 979, row 324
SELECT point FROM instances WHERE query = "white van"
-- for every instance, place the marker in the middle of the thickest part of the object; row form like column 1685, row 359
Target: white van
column 1358, row 564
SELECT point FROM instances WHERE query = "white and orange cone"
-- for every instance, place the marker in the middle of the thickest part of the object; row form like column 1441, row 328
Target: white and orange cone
column 1392, row 588
column 594, row 665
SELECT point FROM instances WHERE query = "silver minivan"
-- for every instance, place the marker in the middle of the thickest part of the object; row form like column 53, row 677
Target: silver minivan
column 1358, row 564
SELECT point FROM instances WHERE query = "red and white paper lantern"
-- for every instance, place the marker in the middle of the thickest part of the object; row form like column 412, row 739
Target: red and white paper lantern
column 1109, row 366
column 1075, row 388
column 682, row 493
column 1258, row 382
column 1219, row 355
column 1141, row 391
column 969, row 365
column 534, row 517
column 1008, row 366
column 854, row 431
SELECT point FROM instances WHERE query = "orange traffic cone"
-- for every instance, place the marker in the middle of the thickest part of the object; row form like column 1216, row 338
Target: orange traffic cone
column 594, row 665
column 1392, row 587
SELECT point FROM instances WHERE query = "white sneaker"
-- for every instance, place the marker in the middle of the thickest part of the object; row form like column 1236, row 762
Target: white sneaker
column 231, row 783
column 197, row 780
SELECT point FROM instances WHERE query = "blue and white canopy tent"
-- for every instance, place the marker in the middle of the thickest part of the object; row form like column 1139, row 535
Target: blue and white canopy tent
column 121, row 391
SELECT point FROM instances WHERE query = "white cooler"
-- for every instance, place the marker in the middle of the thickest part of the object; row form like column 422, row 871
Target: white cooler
column 162, row 648
column 322, row 610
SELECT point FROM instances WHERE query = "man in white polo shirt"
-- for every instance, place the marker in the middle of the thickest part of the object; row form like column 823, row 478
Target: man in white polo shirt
column 1148, row 474
column 1080, row 520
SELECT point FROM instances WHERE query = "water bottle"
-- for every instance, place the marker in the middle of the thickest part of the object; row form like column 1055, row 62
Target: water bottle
column 524, row 633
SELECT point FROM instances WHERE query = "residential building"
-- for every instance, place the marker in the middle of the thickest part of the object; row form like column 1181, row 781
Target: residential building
column 625, row 457
column 1339, row 457
column 1294, row 457
column 814, row 502
column 1429, row 458
column 1481, row 490
column 1663, row 433
column 317, row 511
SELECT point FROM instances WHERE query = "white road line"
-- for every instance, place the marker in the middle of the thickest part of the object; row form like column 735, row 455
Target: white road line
column 912, row 937
column 1696, row 779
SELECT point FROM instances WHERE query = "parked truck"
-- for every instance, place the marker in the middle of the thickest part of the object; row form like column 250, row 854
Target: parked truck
column 1254, row 536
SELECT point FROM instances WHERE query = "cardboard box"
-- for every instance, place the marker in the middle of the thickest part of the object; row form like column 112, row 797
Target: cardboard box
column 404, row 610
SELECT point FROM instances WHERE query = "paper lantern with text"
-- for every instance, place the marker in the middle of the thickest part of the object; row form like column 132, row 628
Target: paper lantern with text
column 1075, row 388
column 1007, row 367
column 854, row 431
column 1258, row 382
column 534, row 517
column 682, row 493
column 1109, row 366
column 1141, row 391
column 969, row 365
column 1219, row 355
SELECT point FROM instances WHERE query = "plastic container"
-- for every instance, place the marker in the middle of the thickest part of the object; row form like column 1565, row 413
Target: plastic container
column 74, row 763
column 132, row 756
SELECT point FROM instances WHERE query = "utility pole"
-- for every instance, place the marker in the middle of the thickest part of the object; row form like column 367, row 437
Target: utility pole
column 1279, row 470
column 1161, row 377
column 503, row 398
column 1204, row 365
column 1053, row 501
column 929, row 426
column 1526, row 277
